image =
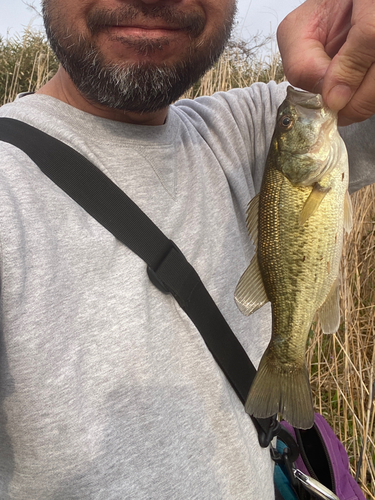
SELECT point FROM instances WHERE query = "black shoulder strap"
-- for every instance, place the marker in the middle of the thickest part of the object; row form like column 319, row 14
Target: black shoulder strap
column 167, row 267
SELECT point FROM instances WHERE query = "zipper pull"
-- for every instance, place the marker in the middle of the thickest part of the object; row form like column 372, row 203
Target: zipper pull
column 314, row 486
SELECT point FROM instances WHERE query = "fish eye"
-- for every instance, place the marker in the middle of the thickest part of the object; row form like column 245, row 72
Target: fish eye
column 286, row 122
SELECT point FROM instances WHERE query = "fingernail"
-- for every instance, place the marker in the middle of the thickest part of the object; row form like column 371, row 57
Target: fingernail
column 338, row 97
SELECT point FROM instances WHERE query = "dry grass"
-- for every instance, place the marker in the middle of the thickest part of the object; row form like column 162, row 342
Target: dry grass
column 233, row 72
column 26, row 63
column 342, row 365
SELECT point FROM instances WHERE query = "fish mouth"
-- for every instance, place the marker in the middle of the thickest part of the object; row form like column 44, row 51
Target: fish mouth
column 305, row 99
column 310, row 105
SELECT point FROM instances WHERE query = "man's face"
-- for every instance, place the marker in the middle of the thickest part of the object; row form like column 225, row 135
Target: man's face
column 137, row 55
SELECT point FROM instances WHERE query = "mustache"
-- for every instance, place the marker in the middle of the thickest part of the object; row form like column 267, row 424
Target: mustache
column 192, row 22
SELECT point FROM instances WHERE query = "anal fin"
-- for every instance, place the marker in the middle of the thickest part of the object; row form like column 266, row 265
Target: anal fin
column 329, row 313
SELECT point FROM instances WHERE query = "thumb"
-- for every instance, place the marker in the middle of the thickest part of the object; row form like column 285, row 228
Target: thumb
column 350, row 69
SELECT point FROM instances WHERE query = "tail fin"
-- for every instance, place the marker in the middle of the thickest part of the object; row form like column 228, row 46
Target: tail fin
column 278, row 390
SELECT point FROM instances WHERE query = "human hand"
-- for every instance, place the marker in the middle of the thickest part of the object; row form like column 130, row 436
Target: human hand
column 328, row 47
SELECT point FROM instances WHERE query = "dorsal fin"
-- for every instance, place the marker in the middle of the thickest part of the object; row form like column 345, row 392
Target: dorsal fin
column 252, row 219
column 250, row 294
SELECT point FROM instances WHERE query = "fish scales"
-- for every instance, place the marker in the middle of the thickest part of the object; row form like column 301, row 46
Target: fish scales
column 299, row 238
column 300, row 263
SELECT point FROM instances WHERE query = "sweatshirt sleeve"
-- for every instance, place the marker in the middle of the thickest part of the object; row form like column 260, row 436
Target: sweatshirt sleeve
column 237, row 126
column 360, row 143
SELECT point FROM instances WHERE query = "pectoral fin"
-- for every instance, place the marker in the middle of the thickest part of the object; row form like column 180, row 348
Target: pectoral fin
column 250, row 294
column 252, row 219
column 313, row 201
column 348, row 213
column 329, row 313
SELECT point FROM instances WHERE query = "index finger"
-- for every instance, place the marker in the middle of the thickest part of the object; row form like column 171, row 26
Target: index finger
column 304, row 57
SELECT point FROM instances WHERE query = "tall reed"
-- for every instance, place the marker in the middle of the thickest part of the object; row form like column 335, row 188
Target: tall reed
column 26, row 63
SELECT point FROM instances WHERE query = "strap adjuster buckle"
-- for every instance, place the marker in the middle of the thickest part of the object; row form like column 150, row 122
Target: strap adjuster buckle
column 153, row 273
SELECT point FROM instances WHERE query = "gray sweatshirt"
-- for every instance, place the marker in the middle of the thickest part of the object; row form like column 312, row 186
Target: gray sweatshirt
column 107, row 390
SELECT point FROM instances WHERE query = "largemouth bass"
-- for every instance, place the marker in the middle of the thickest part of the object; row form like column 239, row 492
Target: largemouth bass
column 297, row 223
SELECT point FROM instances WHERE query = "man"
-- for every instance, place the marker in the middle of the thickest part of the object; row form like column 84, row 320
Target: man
column 108, row 391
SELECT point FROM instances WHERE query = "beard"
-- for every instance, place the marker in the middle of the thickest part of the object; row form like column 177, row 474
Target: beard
column 142, row 87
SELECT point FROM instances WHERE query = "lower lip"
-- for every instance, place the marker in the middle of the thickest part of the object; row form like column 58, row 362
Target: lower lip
column 142, row 32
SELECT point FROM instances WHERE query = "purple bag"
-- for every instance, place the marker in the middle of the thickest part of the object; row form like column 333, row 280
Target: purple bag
column 323, row 457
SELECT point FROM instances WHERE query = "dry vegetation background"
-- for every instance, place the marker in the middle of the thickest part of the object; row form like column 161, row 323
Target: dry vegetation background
column 342, row 365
